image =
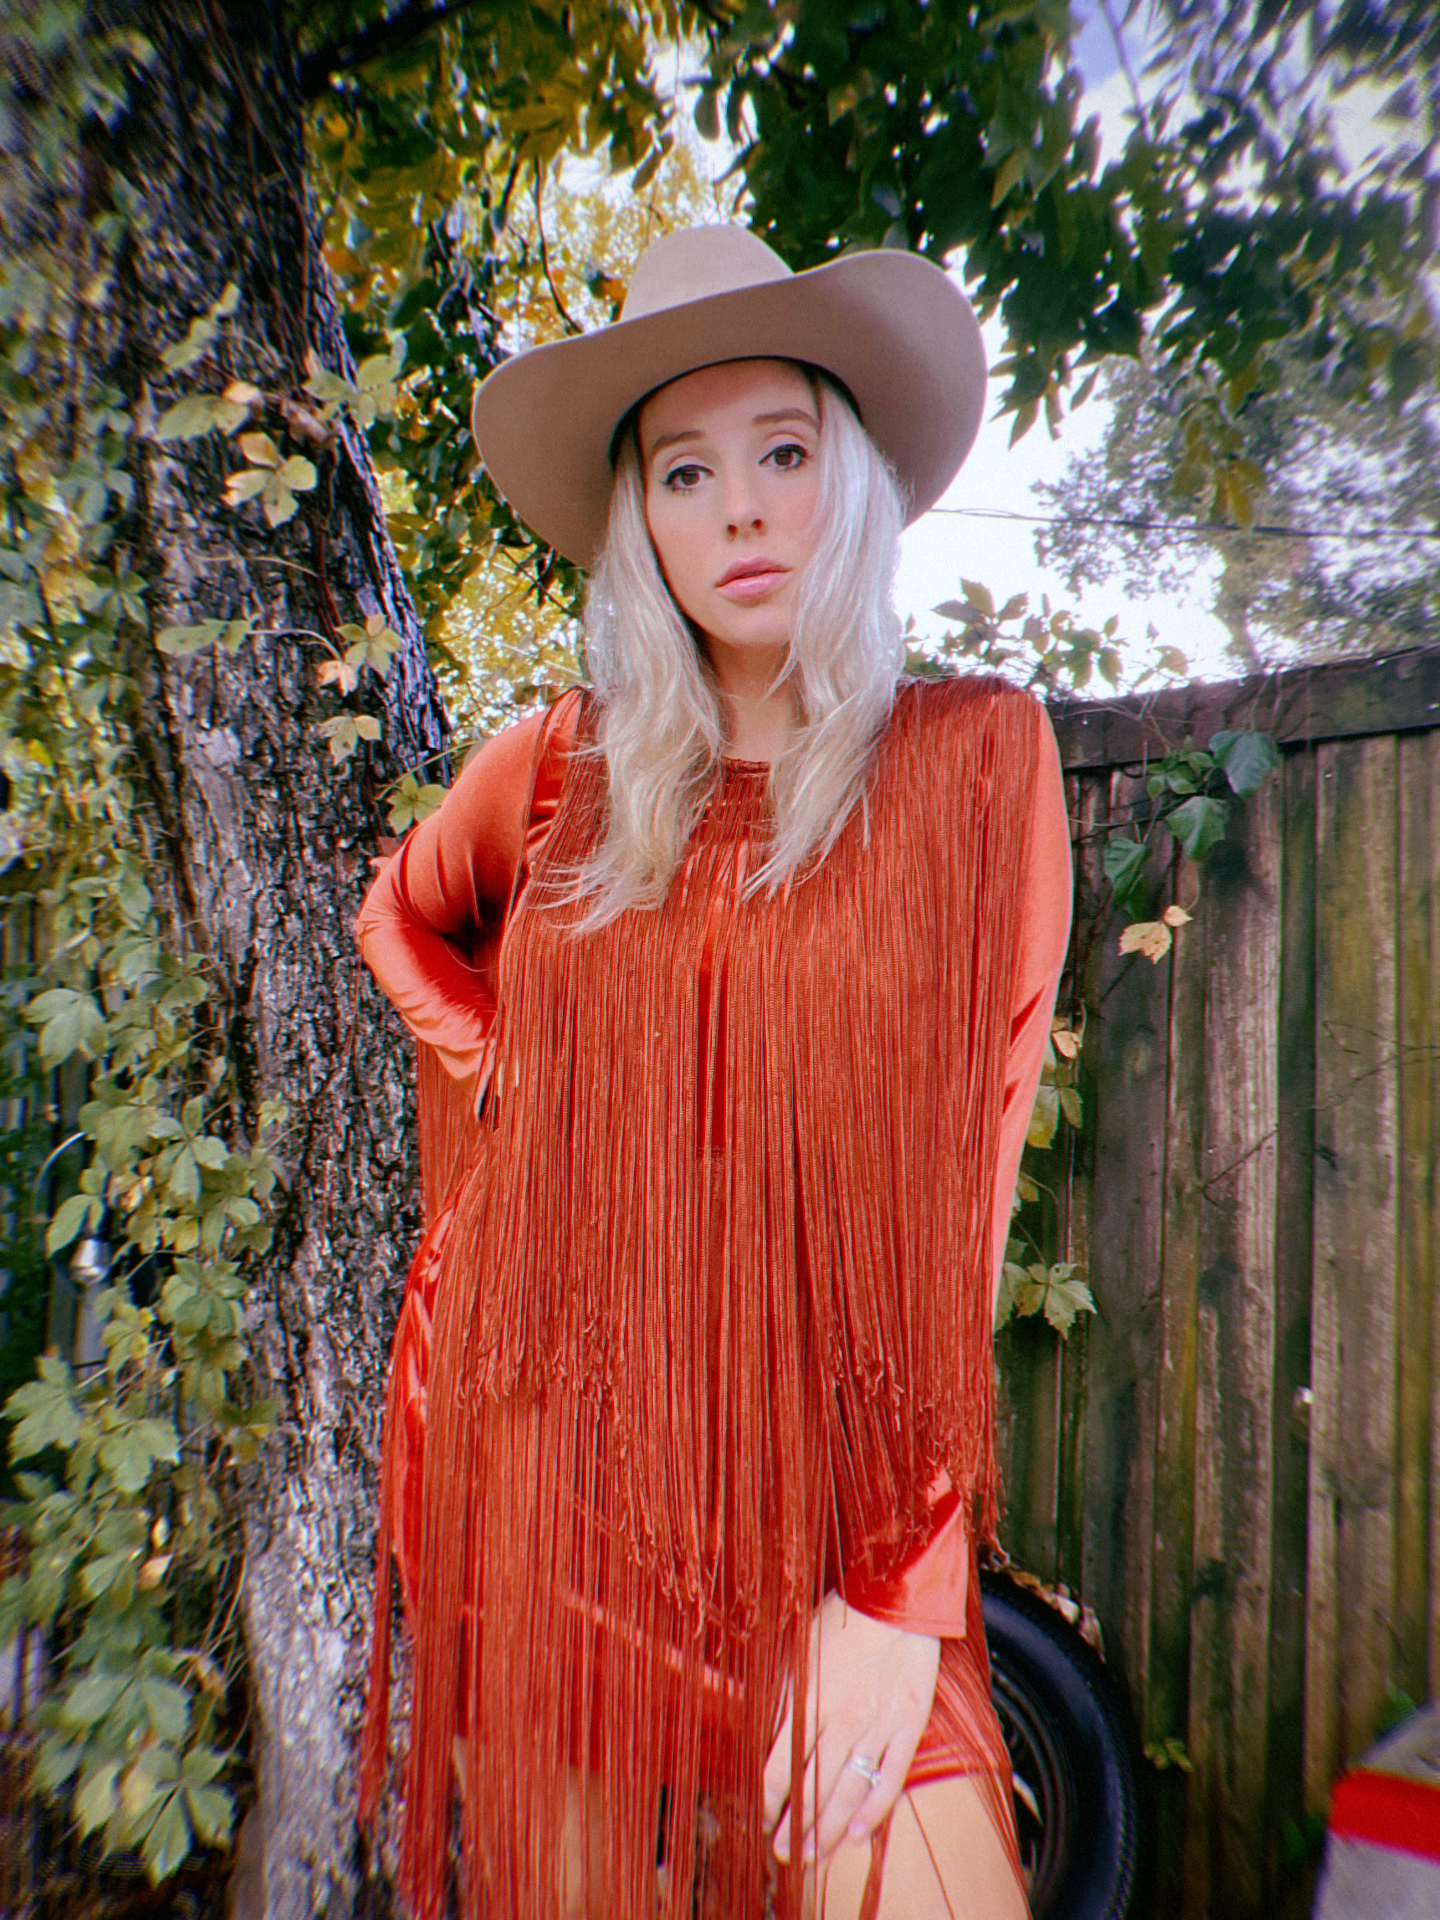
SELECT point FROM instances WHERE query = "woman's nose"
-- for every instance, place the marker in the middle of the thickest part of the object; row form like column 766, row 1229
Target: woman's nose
column 742, row 504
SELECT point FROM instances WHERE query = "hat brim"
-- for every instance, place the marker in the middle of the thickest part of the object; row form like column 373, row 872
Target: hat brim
column 891, row 326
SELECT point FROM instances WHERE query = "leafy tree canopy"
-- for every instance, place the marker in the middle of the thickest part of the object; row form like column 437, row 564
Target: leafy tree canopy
column 1231, row 222
column 1231, row 238
column 1343, row 557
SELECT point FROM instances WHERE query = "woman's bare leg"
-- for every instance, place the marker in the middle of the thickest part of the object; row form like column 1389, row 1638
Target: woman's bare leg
column 578, row 1788
column 944, row 1861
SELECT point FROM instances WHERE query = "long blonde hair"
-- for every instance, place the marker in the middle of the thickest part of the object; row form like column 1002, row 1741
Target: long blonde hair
column 659, row 724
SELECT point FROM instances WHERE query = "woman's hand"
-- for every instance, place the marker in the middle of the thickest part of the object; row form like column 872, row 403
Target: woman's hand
column 869, row 1696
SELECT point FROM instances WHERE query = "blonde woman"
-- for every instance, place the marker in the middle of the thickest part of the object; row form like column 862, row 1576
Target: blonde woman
column 720, row 1139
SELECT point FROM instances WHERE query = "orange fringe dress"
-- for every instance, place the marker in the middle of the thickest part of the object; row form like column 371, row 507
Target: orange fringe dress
column 701, row 1326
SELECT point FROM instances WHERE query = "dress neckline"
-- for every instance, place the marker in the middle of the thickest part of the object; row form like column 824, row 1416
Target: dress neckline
column 732, row 765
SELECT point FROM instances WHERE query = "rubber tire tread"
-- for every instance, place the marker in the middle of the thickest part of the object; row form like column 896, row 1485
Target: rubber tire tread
column 1071, row 1690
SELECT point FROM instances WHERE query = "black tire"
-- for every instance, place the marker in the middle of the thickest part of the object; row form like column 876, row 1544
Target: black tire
column 1083, row 1806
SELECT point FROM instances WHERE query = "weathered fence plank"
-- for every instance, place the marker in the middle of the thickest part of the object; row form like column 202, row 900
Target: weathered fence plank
column 1294, row 1260
column 1417, row 981
column 1167, row 1696
column 1352, row 1437
column 1127, row 1000
column 1235, row 1308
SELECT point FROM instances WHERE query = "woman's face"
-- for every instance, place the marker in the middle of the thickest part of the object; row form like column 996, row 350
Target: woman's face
column 728, row 456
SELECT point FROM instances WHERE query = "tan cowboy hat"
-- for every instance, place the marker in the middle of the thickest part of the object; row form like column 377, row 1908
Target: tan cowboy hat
column 890, row 326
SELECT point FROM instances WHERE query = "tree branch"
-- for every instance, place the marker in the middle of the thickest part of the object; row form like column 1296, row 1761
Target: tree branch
column 560, row 306
column 380, row 37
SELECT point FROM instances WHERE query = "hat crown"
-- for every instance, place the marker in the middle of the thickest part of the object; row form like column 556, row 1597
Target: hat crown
column 697, row 264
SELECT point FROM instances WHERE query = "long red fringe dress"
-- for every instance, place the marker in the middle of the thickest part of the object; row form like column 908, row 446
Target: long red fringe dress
column 701, row 1328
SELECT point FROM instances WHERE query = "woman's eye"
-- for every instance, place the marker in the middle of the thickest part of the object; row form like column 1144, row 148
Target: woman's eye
column 788, row 457
column 683, row 479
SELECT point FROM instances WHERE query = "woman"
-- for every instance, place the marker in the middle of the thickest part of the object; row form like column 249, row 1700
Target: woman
column 690, row 1564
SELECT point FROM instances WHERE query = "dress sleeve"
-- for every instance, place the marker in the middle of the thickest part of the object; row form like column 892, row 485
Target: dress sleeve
column 430, row 927
column 1044, row 942
column 927, row 1593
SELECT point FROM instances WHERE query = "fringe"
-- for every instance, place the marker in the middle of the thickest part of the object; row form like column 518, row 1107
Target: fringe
column 712, row 1311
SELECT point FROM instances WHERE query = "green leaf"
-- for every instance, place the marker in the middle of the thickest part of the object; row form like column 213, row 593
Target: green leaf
column 1197, row 824
column 196, row 343
column 93, row 1697
column 1248, row 760
column 201, row 1764
column 1044, row 1117
column 168, row 1708
column 979, row 596
column 1009, row 175
column 69, row 1022
column 57, row 1760
column 1124, row 861
column 47, row 1416
column 129, row 1454
column 1070, row 1106
column 1065, row 1297
column 329, row 387
column 166, row 1846
column 95, row 1797
column 184, row 1180
column 1012, row 1277
column 211, row 1811
column 188, row 419
column 79, row 1211
column 97, row 1576
column 179, row 641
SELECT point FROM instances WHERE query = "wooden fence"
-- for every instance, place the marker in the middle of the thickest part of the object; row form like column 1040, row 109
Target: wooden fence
column 1236, row 1462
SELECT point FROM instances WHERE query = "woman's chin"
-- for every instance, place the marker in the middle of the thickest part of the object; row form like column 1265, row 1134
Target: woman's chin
column 752, row 629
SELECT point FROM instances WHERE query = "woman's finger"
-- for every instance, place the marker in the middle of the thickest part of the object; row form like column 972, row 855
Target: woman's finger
column 854, row 1811
column 828, row 1770
column 777, row 1767
column 849, row 1793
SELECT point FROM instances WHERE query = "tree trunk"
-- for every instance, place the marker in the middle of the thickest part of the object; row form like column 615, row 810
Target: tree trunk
column 268, row 845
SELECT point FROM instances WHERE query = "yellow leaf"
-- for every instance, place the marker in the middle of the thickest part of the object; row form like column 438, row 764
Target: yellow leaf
column 260, row 449
column 345, row 677
column 1150, row 937
column 243, row 486
column 1176, row 917
column 1065, row 1042
column 153, row 1571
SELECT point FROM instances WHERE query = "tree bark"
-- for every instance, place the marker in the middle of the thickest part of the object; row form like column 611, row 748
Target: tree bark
column 268, row 847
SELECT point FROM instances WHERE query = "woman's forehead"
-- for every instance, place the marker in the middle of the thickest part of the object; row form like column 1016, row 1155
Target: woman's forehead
column 688, row 402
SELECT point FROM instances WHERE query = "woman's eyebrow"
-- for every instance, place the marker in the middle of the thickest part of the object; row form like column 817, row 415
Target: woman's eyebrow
column 663, row 440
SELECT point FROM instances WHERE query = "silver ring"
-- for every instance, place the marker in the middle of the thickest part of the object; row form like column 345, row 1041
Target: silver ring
column 865, row 1767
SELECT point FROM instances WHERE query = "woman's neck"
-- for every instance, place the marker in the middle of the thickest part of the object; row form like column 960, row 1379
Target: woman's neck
column 759, row 715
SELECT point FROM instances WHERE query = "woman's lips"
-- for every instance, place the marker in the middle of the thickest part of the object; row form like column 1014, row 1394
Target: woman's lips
column 753, row 584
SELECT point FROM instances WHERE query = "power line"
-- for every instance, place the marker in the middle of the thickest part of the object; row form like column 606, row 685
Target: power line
column 1197, row 530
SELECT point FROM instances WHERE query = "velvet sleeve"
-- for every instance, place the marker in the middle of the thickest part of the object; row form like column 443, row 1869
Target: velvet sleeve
column 927, row 1593
column 430, row 927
